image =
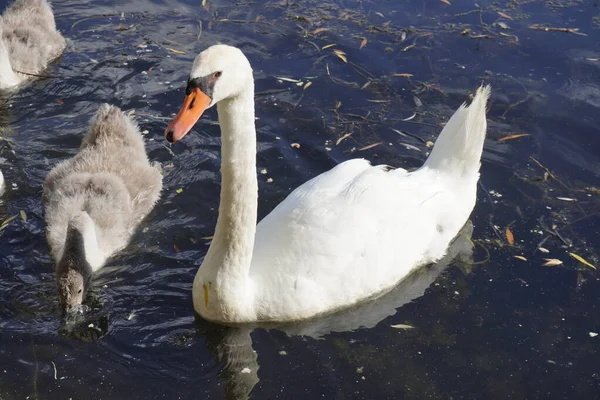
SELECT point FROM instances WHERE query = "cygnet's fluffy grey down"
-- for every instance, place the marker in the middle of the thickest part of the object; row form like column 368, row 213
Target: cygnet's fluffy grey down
column 29, row 41
column 95, row 200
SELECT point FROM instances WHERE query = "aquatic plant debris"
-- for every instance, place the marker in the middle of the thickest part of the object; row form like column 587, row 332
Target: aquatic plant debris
column 551, row 262
column 511, row 137
column 337, row 142
column 369, row 146
column 574, row 31
column 319, row 30
column 504, row 15
column 520, row 258
column 582, row 260
column 341, row 55
column 363, row 43
column 402, row 326
column 23, row 215
column 176, row 51
column 510, row 238
column 7, row 221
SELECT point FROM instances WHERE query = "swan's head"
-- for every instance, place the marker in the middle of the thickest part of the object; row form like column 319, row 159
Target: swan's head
column 219, row 73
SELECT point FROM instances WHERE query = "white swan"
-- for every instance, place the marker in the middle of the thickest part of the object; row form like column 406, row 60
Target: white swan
column 1, row 183
column 345, row 236
column 29, row 41
column 95, row 200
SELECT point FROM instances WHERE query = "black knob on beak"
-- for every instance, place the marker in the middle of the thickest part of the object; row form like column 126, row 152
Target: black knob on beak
column 169, row 136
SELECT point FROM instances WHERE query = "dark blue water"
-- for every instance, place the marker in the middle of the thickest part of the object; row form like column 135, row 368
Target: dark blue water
column 487, row 325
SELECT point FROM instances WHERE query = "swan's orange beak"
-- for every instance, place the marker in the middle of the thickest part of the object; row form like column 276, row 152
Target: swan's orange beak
column 193, row 106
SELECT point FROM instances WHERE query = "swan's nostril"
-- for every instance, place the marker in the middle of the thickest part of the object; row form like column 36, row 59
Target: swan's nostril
column 169, row 136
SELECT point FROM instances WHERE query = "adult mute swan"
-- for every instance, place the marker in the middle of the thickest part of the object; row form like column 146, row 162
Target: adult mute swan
column 28, row 41
column 345, row 236
column 95, row 200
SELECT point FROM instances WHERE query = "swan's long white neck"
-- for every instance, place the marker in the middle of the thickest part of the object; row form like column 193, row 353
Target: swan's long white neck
column 226, row 265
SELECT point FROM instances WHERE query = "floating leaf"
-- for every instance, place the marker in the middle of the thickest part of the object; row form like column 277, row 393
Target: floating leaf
column 307, row 85
column 179, row 191
column 544, row 250
column 521, row 258
column 378, row 101
column 565, row 199
column 7, row 221
column 176, row 51
column 341, row 55
column 337, row 142
column 363, row 43
column 511, row 137
column 23, row 215
column 319, row 30
column 505, row 15
column 295, row 145
column 446, row 1
column 509, row 236
column 327, row 46
column 281, row 78
column 551, row 262
column 369, row 146
column 429, row 143
column 402, row 326
column 409, row 118
column 581, row 260
column 405, row 75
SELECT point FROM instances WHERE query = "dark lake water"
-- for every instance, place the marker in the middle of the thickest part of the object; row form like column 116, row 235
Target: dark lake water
column 486, row 325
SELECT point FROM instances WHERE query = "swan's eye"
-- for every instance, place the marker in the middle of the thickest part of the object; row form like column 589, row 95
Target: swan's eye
column 217, row 74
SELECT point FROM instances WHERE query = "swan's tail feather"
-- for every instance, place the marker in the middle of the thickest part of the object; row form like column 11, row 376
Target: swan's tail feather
column 458, row 148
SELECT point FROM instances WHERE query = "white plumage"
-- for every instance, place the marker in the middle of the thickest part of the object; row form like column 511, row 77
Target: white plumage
column 345, row 236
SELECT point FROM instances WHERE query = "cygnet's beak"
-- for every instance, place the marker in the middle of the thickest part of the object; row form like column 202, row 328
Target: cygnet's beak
column 193, row 106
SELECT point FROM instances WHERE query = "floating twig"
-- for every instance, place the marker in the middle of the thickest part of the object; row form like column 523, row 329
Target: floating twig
column 574, row 31
column 36, row 75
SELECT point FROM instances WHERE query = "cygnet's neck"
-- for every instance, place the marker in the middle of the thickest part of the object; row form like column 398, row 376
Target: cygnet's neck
column 230, row 254
column 81, row 243
column 8, row 77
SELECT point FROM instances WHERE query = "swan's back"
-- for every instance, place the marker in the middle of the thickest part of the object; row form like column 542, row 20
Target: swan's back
column 355, row 231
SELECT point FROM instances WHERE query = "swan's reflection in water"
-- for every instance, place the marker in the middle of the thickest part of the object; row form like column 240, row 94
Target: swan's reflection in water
column 233, row 346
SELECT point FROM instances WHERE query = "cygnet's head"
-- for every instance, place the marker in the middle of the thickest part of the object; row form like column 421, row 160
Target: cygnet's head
column 72, row 288
column 73, row 271
column 219, row 73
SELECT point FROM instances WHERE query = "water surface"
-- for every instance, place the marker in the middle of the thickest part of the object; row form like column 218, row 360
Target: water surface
column 486, row 325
